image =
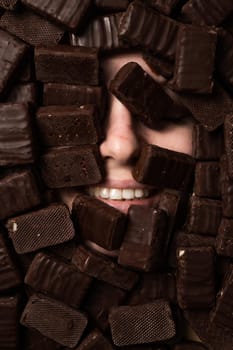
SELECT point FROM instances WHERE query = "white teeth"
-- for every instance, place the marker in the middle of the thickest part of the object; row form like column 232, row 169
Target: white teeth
column 115, row 193
column 104, row 192
column 128, row 194
column 119, row 194
column 138, row 193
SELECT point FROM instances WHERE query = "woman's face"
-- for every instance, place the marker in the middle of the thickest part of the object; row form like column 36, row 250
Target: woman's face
column 124, row 136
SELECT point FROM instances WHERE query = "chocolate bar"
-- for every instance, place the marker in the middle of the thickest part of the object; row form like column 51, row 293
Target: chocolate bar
column 67, row 64
column 103, row 269
column 224, row 239
column 9, row 4
column 204, row 215
column 223, row 62
column 59, row 280
column 34, row 340
column 159, row 65
column 195, row 277
column 104, row 218
column 142, row 27
column 148, row 109
column 9, row 330
column 145, row 242
column 19, row 192
column 23, row 94
column 95, row 340
column 190, row 345
column 156, row 166
column 12, row 53
column 166, row 7
column 207, row 180
column 226, row 188
column 194, row 240
column 171, row 202
column 111, row 5
column 64, row 250
column 42, row 228
column 68, row 125
column 145, row 323
column 71, row 166
column 71, row 15
column 55, row 320
column 191, row 74
column 31, row 28
column 228, row 139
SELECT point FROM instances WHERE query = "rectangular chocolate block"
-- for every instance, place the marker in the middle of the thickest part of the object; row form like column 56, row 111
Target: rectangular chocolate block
column 204, row 215
column 226, row 188
column 72, row 15
column 16, row 139
column 103, row 269
column 164, row 6
column 171, row 202
column 51, row 276
column 145, row 323
column 228, row 142
column 31, row 28
column 23, row 93
column 107, row 225
column 9, row 325
column 19, row 192
column 156, row 166
column 12, row 52
column 55, row 320
column 195, row 277
column 68, row 125
column 145, row 242
column 142, row 27
column 67, row 64
column 95, row 340
column 194, row 72
column 41, row 228
column 224, row 239
column 111, row 5
column 71, row 166
column 223, row 61
column 194, row 240
column 207, row 180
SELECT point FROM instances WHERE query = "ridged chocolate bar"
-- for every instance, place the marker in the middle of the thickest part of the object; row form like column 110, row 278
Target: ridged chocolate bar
column 67, row 64
column 164, row 6
column 9, row 322
column 226, row 188
column 12, row 52
column 145, row 242
column 112, row 5
column 107, row 225
column 207, row 180
column 42, row 228
column 71, row 166
column 19, row 192
column 194, row 72
column 224, row 239
column 95, row 341
column 57, row 279
column 145, row 323
column 171, row 202
column 31, row 28
column 156, row 166
column 228, row 140
column 103, row 269
column 140, row 98
column 204, row 215
column 68, row 125
column 23, row 93
column 195, row 277
column 9, row 4
column 142, row 27
column 194, row 240
column 72, row 14
column 55, row 320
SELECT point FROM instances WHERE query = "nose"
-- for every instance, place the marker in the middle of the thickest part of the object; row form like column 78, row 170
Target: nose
column 121, row 142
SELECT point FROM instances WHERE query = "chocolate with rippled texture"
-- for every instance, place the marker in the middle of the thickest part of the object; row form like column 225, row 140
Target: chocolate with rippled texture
column 112, row 5
column 228, row 140
column 71, row 14
column 9, row 329
column 226, row 188
column 207, row 180
column 224, row 239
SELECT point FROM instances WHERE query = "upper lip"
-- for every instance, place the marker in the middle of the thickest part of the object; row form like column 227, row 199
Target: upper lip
column 121, row 184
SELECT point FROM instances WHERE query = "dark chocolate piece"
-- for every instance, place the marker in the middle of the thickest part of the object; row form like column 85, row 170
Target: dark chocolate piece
column 140, row 98
column 107, row 224
column 159, row 65
column 31, row 28
column 9, row 4
column 9, row 330
column 171, row 202
column 164, row 6
column 195, row 277
column 67, row 64
column 145, row 243
column 70, row 14
column 224, row 239
column 103, row 269
column 38, row 229
column 226, row 188
column 64, row 250
column 194, row 240
column 34, row 340
column 156, row 166
column 12, row 52
column 190, row 345
column 23, row 93
column 204, row 215
column 194, row 72
column 54, row 320
column 19, row 192
column 72, row 166
column 112, row 5
column 61, row 281
column 207, row 180
column 142, row 27
column 224, row 58
column 145, row 323
column 95, row 341
column 228, row 139
column 68, row 125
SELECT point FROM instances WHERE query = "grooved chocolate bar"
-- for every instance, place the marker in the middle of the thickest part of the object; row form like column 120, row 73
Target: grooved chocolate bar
column 68, row 125
column 207, row 180
column 196, row 277
column 68, row 13
column 103, row 269
column 145, row 323
column 107, row 224
column 111, row 5
column 145, row 28
column 156, row 166
column 223, row 62
column 9, row 322
column 226, row 188
column 51, row 276
column 224, row 239
column 23, row 94
column 71, row 166
column 67, row 64
column 19, row 192
column 54, row 320
column 95, row 341
column 228, row 140
column 42, row 228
